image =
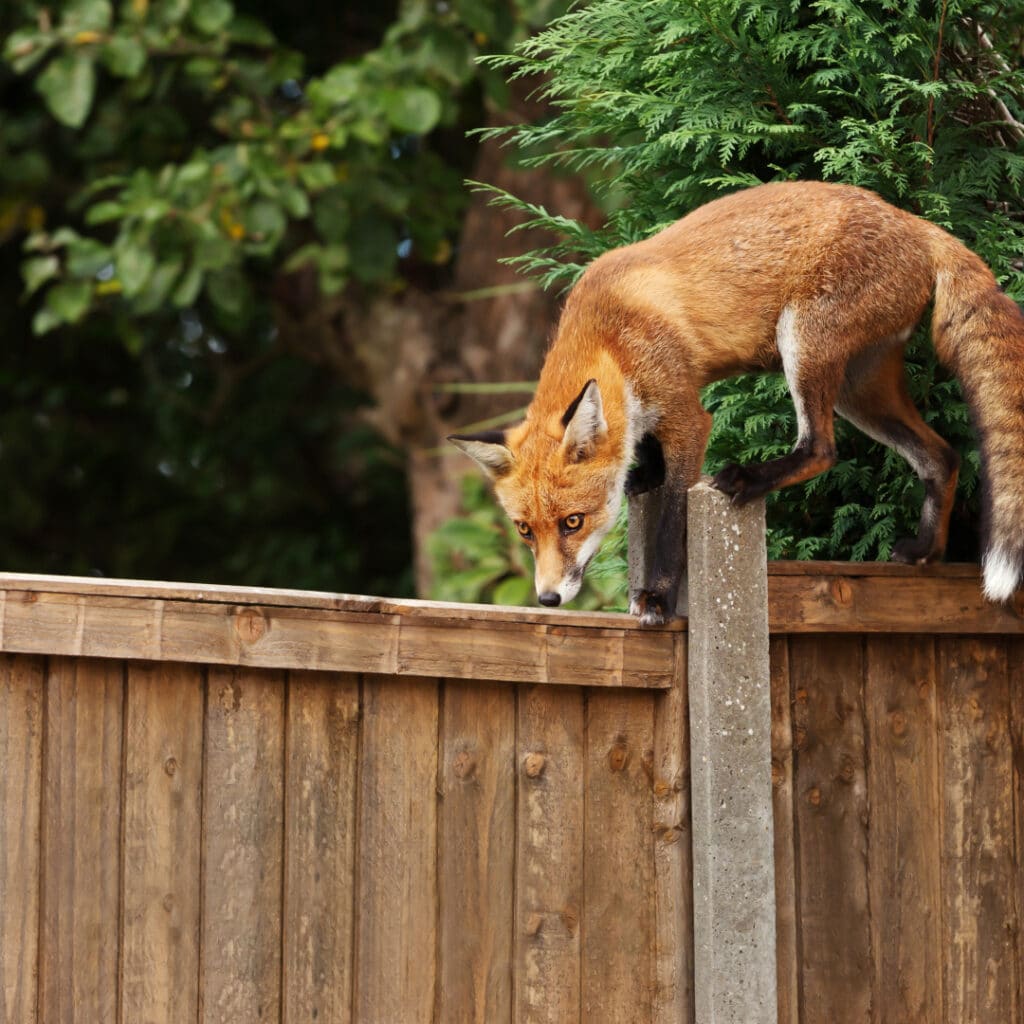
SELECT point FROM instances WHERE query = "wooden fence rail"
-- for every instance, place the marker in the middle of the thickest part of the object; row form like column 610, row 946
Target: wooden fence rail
column 244, row 806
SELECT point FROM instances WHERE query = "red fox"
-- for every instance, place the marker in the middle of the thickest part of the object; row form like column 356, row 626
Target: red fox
column 824, row 282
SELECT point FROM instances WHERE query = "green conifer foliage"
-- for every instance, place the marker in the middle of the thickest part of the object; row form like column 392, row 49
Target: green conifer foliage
column 666, row 104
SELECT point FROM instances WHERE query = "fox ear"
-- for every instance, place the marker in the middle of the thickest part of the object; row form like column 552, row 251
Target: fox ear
column 488, row 449
column 584, row 423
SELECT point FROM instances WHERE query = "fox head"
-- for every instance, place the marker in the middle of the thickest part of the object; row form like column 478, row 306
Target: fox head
column 560, row 480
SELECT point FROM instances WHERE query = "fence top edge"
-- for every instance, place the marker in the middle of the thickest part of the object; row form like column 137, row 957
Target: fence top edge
column 202, row 593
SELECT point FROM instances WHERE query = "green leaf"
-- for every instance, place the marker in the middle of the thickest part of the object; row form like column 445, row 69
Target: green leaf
column 101, row 213
column 317, row 175
column 331, row 214
column 159, row 285
column 516, row 590
column 68, row 85
column 416, row 110
column 88, row 15
column 188, row 287
column 135, row 263
column 295, row 201
column 340, row 84
column 265, row 221
column 86, row 257
column 228, row 290
column 67, row 302
column 26, row 47
column 124, row 56
column 210, row 16
column 38, row 270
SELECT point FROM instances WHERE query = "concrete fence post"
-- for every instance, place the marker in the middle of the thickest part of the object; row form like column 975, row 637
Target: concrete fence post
column 730, row 762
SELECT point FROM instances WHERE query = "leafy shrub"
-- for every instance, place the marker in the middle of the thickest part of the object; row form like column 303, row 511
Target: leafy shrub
column 667, row 104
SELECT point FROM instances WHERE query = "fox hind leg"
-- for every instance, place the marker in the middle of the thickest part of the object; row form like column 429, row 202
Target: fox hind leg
column 814, row 385
column 874, row 398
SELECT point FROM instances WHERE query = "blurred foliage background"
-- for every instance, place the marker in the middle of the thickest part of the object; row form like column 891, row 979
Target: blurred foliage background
column 248, row 291
column 233, row 269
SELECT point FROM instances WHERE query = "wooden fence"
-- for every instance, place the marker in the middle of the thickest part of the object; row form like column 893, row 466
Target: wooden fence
column 246, row 806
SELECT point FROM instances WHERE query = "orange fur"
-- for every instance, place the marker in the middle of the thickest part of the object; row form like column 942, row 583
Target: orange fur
column 823, row 281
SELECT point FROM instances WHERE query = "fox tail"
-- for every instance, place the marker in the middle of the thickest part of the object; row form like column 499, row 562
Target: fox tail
column 979, row 334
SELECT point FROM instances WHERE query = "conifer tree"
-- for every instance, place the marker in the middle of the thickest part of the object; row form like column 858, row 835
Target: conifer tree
column 666, row 104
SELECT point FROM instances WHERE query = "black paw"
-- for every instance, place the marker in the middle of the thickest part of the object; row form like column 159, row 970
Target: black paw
column 649, row 607
column 912, row 551
column 739, row 482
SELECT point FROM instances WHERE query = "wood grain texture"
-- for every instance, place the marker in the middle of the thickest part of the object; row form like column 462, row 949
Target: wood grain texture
column 396, row 970
column 21, row 748
column 322, row 752
column 979, row 911
column 242, row 845
column 477, row 852
column 786, row 945
column 1015, row 664
column 673, row 897
column 81, row 838
column 831, row 802
column 162, row 840
column 458, row 644
column 904, row 601
column 549, row 856
column 903, row 859
column 618, row 859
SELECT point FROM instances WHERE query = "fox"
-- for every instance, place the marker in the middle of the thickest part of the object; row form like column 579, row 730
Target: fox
column 822, row 281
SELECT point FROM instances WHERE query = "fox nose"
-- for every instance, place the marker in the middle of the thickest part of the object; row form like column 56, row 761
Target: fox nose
column 550, row 598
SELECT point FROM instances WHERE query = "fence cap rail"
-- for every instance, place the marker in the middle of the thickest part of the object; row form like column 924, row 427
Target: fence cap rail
column 292, row 629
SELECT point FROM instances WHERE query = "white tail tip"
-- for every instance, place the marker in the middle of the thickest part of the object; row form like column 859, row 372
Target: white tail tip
column 1002, row 574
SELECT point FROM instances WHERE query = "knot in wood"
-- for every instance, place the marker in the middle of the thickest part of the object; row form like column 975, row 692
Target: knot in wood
column 571, row 919
column 533, row 765
column 847, row 769
column 778, row 773
column 534, row 924
column 814, row 796
column 618, row 756
column 898, row 723
column 168, row 902
column 171, row 765
column 251, row 625
column 842, row 592
column 464, row 764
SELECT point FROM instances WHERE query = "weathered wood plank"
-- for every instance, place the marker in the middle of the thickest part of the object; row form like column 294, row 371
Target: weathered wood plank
column 21, row 748
column 242, row 841
column 673, row 967
column 549, row 856
column 831, row 804
column 200, row 632
column 90, row 586
column 979, row 873
column 322, row 750
column 396, row 970
column 477, row 851
column 81, row 841
column 904, row 881
column 786, row 946
column 618, row 859
column 162, row 840
column 1015, row 663
column 907, row 602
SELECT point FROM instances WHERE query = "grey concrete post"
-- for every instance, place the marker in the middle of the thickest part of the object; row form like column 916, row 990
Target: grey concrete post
column 730, row 762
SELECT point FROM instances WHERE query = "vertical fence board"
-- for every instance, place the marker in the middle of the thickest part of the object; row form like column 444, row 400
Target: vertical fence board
column 618, row 858
column 830, row 796
column 786, row 948
column 21, row 743
column 81, row 835
column 477, row 851
column 549, row 856
column 162, row 833
column 396, row 970
column 321, row 751
column 978, row 866
column 242, row 839
column 903, row 858
column 673, row 951
column 1015, row 662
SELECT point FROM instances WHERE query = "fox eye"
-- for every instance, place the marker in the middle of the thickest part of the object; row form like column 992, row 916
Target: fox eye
column 524, row 530
column 571, row 523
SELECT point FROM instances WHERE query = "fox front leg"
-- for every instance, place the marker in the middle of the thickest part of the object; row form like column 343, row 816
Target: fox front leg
column 675, row 456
